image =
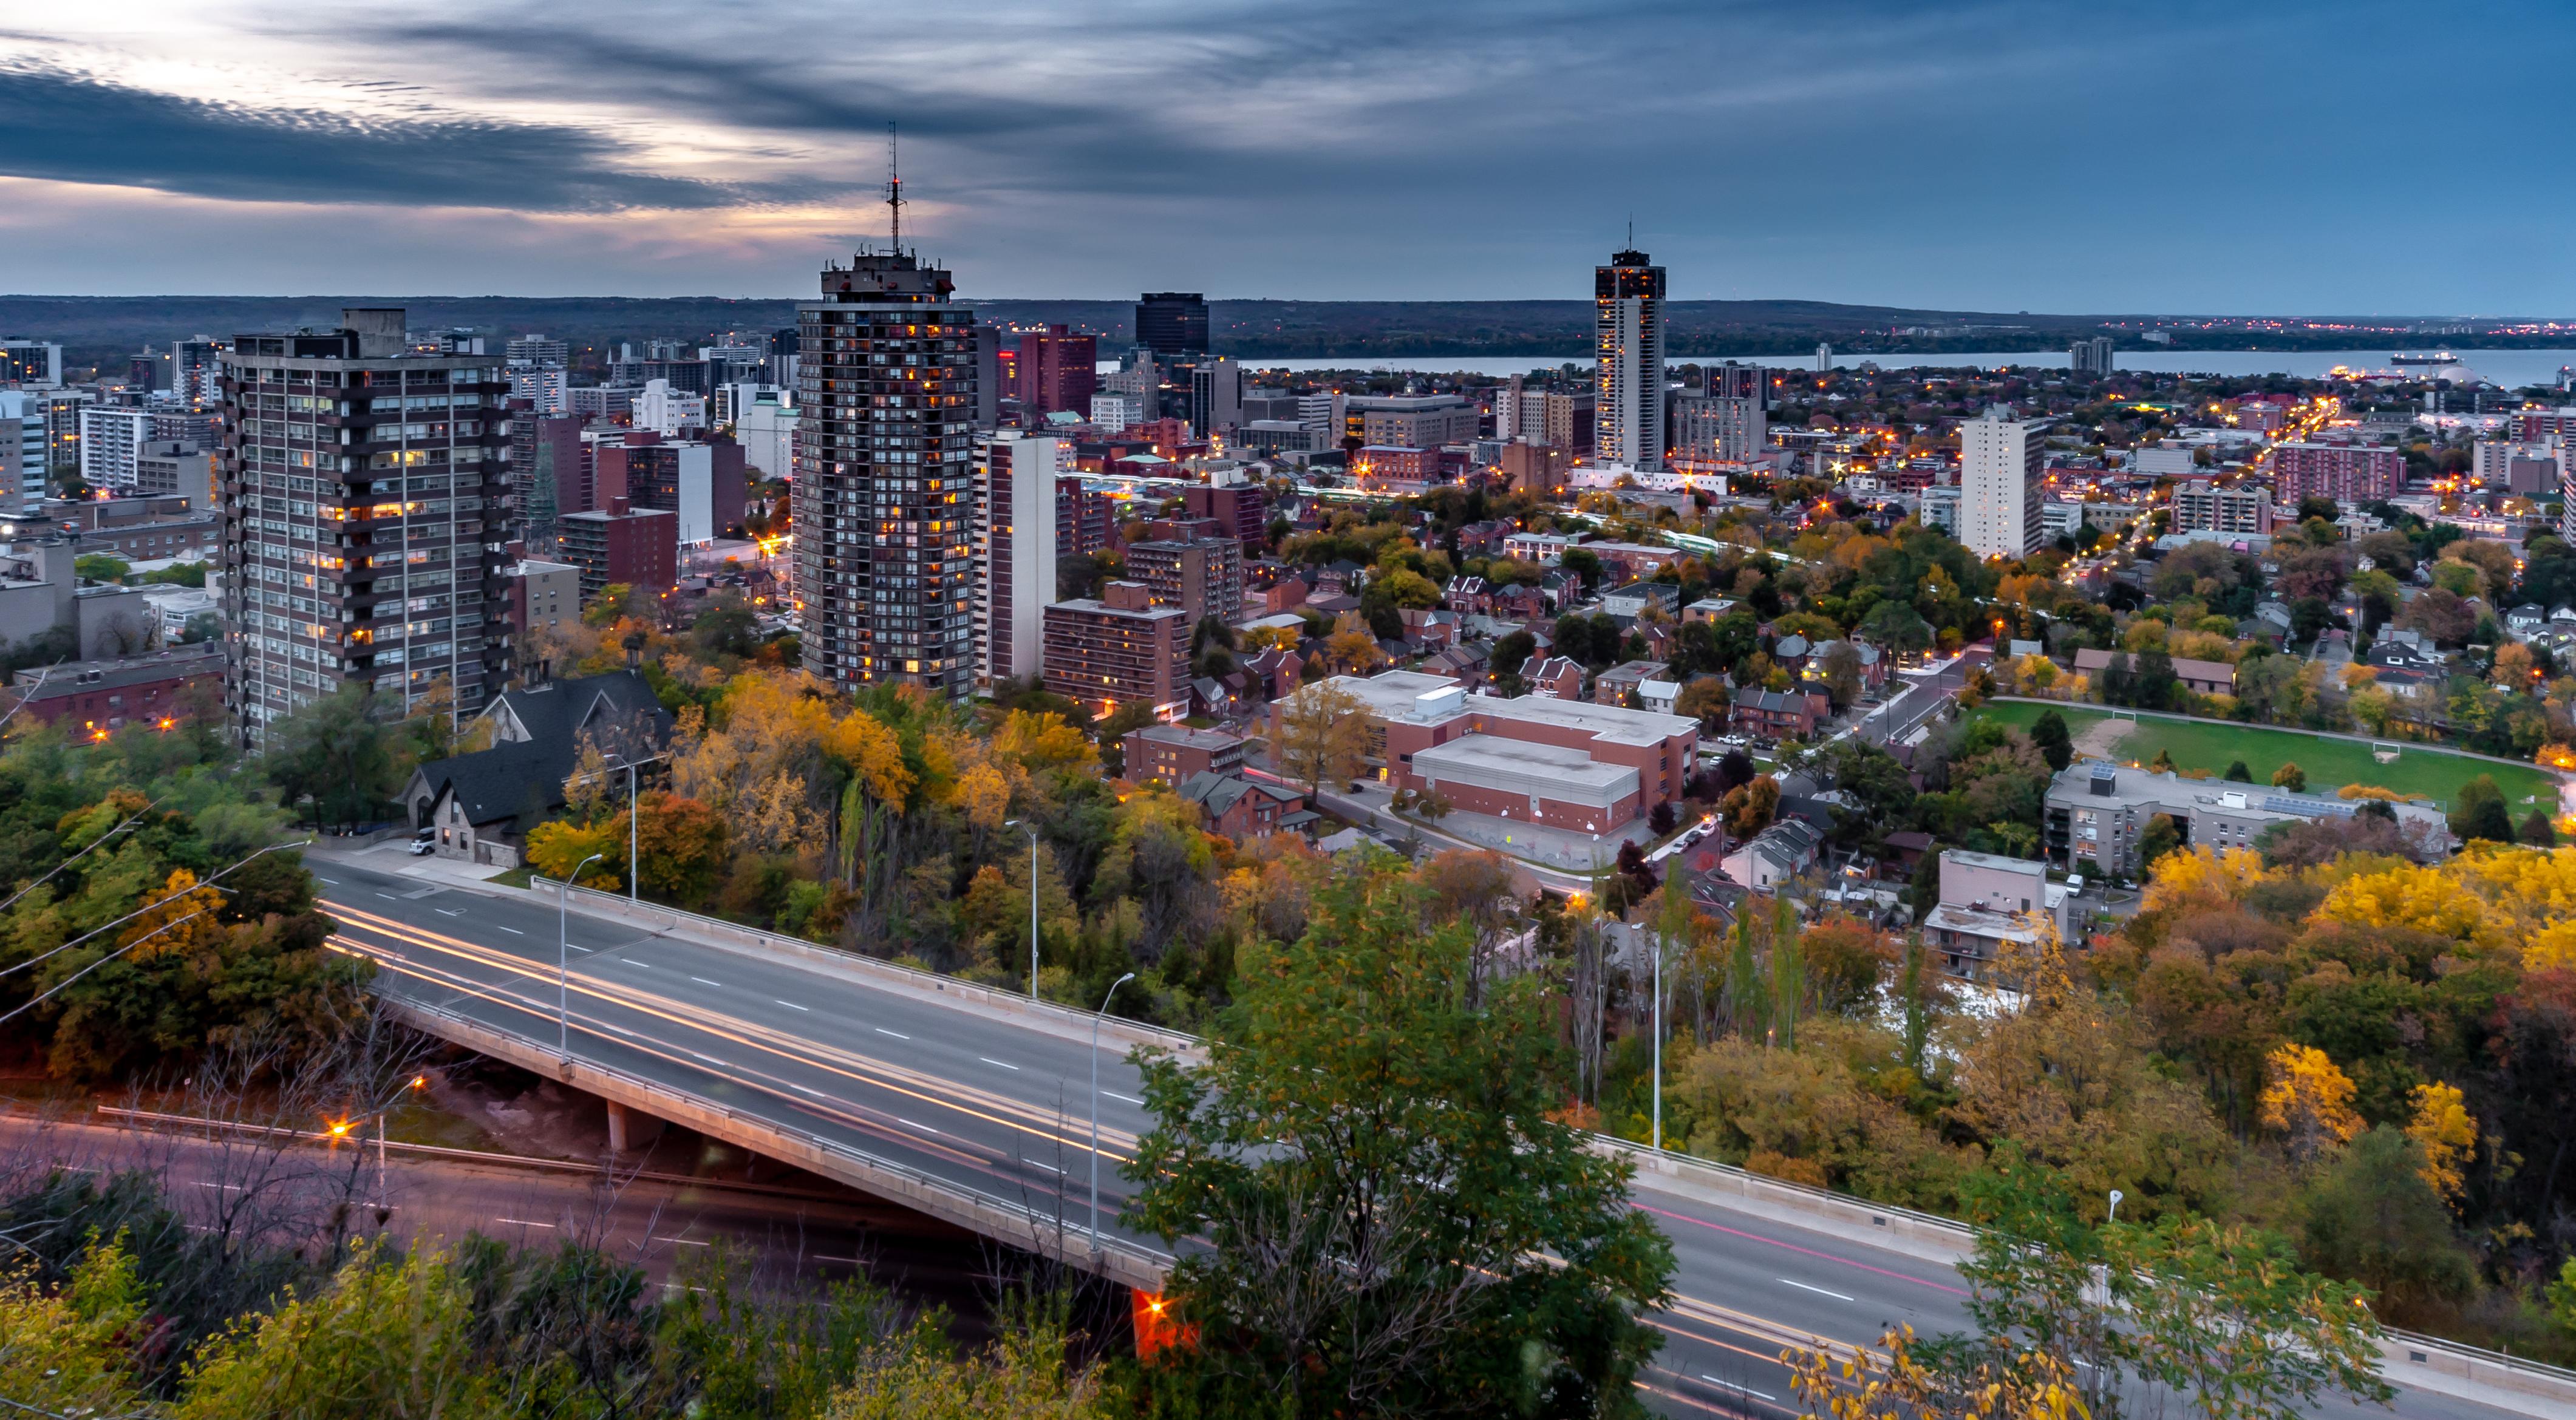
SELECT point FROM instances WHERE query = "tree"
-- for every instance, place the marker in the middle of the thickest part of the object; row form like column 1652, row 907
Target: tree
column 2056, row 744
column 2537, row 832
column 1704, row 700
column 2238, row 772
column 1318, row 736
column 1842, row 673
column 2479, row 813
column 1511, row 652
column 681, row 847
column 1897, row 627
column 1748, row 809
column 2371, row 1218
column 338, row 753
column 1407, row 1231
column 2290, row 777
column 2163, row 763
column 2308, row 1101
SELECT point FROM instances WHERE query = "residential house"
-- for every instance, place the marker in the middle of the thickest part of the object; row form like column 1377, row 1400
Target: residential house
column 1790, row 652
column 1276, row 672
column 1172, row 753
column 1778, row 714
column 1520, row 602
column 1776, row 855
column 482, row 804
column 1633, row 598
column 1557, row 677
column 1241, row 809
column 2201, row 677
column 1468, row 596
column 1707, row 609
column 1990, row 906
column 1618, row 685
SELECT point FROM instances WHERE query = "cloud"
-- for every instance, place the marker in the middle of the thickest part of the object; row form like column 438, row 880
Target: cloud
column 71, row 126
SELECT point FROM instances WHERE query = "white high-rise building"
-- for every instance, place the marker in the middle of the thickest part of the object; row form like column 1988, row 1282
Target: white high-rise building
column 1015, row 544
column 1999, row 485
column 667, row 411
column 110, row 436
column 1628, row 342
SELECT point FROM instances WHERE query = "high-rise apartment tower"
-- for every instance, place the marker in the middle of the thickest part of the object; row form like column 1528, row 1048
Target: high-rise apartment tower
column 884, row 473
column 1628, row 341
column 365, row 499
column 1999, row 485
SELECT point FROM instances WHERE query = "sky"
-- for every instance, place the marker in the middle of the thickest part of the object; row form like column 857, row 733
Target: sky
column 2272, row 157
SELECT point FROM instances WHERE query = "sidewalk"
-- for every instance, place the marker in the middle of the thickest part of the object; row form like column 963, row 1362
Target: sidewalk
column 390, row 857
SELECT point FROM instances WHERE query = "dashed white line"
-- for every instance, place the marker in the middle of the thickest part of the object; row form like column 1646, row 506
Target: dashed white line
column 524, row 1223
column 1736, row 1386
column 1050, row 1168
column 226, row 1187
column 630, row 961
column 899, row 1035
column 447, row 912
column 389, row 897
column 1113, row 1094
column 1819, row 1291
column 702, row 981
column 684, row 1242
column 334, row 882
column 791, row 1005
column 924, row 1128
column 513, row 931
column 989, row 1060
column 818, row 1094
column 727, row 1064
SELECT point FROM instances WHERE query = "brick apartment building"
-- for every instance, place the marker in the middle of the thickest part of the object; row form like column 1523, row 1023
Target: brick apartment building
column 96, row 697
column 1119, row 649
column 1172, row 753
column 1557, row 763
column 618, row 543
column 2347, row 473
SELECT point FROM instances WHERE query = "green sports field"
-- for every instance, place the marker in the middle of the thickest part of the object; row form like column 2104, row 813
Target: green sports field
column 2330, row 763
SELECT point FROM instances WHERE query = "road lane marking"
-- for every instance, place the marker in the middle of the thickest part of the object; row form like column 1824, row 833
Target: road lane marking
column 1050, row 1168
column 513, row 931
column 1819, row 1291
column 1806, row 1251
column 1737, row 1385
column 791, row 1005
column 899, row 1035
column 702, row 981
column 389, row 897
column 227, row 1187
column 989, row 1060
column 1113, row 1094
column 449, row 912
column 924, row 1128
column 684, row 1242
column 524, row 1223
column 727, row 1065
column 818, row 1094
column 335, row 882
column 630, row 961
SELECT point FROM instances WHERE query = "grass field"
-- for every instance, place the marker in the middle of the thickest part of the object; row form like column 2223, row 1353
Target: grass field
column 2330, row 764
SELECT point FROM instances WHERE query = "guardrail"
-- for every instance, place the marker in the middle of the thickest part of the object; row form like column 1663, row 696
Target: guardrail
column 1070, row 1019
column 1015, row 1223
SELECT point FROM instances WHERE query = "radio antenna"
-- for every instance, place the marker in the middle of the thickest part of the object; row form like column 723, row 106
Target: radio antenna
column 894, row 187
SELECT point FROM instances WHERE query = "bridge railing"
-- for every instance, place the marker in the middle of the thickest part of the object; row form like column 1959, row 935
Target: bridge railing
column 1138, row 1257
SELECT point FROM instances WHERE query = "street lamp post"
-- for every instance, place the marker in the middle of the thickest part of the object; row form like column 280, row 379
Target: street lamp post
column 634, row 865
column 1659, row 1042
column 1095, row 1106
column 563, row 963
column 1032, row 830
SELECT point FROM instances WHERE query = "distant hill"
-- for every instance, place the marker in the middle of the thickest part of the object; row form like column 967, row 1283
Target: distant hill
column 104, row 330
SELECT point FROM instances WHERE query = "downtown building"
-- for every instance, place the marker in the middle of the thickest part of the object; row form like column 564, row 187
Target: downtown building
column 2347, row 473
column 1628, row 339
column 1728, row 424
column 884, row 471
column 1999, row 485
column 2203, row 506
column 364, row 497
column 1018, row 489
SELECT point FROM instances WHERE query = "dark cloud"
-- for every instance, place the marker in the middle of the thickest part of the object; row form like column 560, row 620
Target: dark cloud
column 73, row 127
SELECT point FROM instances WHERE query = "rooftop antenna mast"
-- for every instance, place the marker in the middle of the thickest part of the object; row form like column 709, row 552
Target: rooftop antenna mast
column 894, row 187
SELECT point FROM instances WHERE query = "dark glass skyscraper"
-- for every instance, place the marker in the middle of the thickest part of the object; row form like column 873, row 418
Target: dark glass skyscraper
column 1173, row 324
column 884, row 477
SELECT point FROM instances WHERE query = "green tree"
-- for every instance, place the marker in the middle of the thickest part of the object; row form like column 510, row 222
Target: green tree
column 2056, row 743
column 2290, row 777
column 2537, row 832
column 388, row 1337
column 2371, row 1218
column 2158, row 838
column 2238, row 772
column 2480, row 813
column 338, row 754
column 1406, row 1231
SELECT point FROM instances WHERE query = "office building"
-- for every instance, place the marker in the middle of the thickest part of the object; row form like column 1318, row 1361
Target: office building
column 1141, row 378
column 699, row 481
column 2347, row 473
column 1628, row 342
column 884, row 465
column 170, row 468
column 1727, row 423
column 30, row 363
column 22, row 448
column 537, row 348
column 1824, row 358
column 1173, row 324
column 2000, row 485
column 1119, row 649
column 639, row 547
column 765, row 426
column 541, row 386
column 110, row 437
column 1056, row 371
column 364, row 497
column 1200, row 571
column 671, row 413
column 988, row 376
column 1117, row 411
column 1016, row 493
column 1216, row 395
column 1419, row 421
column 2090, row 357
column 197, row 374
column 2201, row 506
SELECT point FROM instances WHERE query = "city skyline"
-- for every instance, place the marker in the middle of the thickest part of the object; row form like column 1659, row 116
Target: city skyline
column 1996, row 156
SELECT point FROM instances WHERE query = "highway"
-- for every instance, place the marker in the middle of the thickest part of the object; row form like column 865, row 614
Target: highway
column 1000, row 1104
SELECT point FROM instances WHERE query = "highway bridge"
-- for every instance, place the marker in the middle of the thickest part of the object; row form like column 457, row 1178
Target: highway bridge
column 974, row 1106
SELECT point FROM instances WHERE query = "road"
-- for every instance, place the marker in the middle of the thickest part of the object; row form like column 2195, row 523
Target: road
column 1002, row 1106
column 819, row 1232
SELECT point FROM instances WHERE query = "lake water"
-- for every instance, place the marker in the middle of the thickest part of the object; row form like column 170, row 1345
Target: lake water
column 2511, row 369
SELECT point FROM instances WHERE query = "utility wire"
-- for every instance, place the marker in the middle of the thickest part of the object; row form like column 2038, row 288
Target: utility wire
column 76, row 857
column 174, row 897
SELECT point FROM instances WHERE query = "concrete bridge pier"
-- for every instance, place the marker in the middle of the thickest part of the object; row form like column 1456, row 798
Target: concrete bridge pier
column 631, row 1129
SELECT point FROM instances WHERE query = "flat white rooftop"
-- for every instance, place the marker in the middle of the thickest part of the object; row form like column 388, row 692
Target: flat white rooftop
column 1567, row 776
column 1391, row 696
